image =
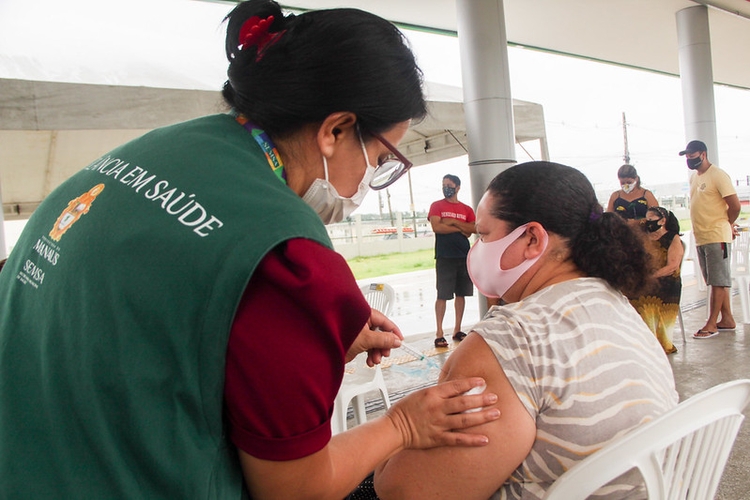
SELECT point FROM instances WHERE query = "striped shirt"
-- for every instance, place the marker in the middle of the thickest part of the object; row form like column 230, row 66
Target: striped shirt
column 587, row 369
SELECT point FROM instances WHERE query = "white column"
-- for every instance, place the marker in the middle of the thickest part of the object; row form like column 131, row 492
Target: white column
column 488, row 104
column 697, row 78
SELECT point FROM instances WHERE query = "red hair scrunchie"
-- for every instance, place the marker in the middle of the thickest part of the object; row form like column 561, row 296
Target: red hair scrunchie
column 254, row 31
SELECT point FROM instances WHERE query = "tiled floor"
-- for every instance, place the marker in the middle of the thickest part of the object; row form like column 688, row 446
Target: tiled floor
column 698, row 364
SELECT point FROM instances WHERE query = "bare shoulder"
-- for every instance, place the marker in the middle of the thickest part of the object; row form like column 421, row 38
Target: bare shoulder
column 475, row 472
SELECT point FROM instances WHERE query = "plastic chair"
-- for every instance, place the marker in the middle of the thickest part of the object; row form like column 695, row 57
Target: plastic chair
column 692, row 255
column 682, row 325
column 680, row 454
column 380, row 296
column 679, row 306
column 741, row 269
column 363, row 379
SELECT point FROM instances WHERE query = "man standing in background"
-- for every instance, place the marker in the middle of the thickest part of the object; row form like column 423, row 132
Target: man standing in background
column 714, row 206
column 453, row 223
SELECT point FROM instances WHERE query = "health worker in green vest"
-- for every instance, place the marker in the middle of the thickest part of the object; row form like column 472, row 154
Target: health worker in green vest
column 174, row 322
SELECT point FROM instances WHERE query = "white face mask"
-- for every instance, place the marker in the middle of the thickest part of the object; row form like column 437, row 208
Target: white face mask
column 628, row 188
column 328, row 203
column 483, row 263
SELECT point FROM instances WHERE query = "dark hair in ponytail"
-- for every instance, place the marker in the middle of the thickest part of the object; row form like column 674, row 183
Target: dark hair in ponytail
column 324, row 61
column 563, row 201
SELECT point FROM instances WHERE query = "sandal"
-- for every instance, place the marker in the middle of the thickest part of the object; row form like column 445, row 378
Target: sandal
column 704, row 334
column 459, row 336
column 441, row 342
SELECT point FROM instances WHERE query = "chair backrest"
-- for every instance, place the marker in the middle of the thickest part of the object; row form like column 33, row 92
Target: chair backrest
column 380, row 296
column 741, row 253
column 680, row 454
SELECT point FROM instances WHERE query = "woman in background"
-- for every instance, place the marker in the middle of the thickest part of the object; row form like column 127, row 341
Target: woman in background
column 660, row 304
column 631, row 201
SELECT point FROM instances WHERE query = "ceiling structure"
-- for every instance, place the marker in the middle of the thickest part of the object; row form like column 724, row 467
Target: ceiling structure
column 635, row 33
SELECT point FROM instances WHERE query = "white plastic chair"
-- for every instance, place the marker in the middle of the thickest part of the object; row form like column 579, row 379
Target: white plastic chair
column 741, row 269
column 380, row 296
column 682, row 324
column 679, row 306
column 680, row 455
column 692, row 255
column 363, row 379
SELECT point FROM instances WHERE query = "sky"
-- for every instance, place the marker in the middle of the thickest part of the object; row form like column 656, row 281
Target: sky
column 180, row 45
column 583, row 105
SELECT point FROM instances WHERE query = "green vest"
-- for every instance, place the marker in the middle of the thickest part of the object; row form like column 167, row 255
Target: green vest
column 115, row 311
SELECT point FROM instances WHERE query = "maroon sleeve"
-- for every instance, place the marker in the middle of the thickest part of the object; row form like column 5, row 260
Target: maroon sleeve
column 297, row 318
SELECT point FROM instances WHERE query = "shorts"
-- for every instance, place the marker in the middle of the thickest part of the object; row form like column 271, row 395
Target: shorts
column 715, row 262
column 452, row 278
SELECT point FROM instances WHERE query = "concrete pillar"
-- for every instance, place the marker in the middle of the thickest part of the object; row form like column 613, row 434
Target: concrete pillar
column 488, row 104
column 697, row 78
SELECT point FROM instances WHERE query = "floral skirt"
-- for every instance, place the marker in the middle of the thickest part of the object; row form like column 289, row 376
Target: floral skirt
column 659, row 317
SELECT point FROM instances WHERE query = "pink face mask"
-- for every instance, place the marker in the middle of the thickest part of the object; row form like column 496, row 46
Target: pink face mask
column 483, row 263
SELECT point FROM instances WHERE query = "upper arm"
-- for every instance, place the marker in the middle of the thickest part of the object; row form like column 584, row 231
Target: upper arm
column 434, row 222
column 611, row 204
column 676, row 251
column 733, row 204
column 282, row 478
column 651, row 199
column 475, row 472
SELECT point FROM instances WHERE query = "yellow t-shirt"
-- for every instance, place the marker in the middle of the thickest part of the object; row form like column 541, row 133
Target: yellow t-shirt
column 708, row 210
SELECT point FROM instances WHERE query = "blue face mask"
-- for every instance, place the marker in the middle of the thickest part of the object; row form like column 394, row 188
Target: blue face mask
column 448, row 192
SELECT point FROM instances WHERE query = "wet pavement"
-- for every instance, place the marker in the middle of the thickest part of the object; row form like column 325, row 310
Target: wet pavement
column 697, row 366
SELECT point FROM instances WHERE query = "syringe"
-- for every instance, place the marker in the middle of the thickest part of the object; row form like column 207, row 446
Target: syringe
column 409, row 349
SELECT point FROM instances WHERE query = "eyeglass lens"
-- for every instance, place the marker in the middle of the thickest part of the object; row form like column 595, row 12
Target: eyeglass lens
column 387, row 173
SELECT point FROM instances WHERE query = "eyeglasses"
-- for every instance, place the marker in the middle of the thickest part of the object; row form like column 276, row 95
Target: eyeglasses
column 391, row 168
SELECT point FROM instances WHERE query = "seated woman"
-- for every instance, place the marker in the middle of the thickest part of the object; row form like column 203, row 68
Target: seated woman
column 660, row 304
column 631, row 201
column 572, row 363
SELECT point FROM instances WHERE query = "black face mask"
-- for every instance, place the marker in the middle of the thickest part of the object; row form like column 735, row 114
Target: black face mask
column 652, row 225
column 448, row 192
column 694, row 163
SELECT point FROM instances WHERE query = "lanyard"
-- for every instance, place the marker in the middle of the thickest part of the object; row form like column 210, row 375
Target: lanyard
column 266, row 144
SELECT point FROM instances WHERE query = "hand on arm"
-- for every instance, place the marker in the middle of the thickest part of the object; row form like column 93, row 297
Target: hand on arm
column 443, row 226
column 426, row 418
column 467, row 228
column 475, row 472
